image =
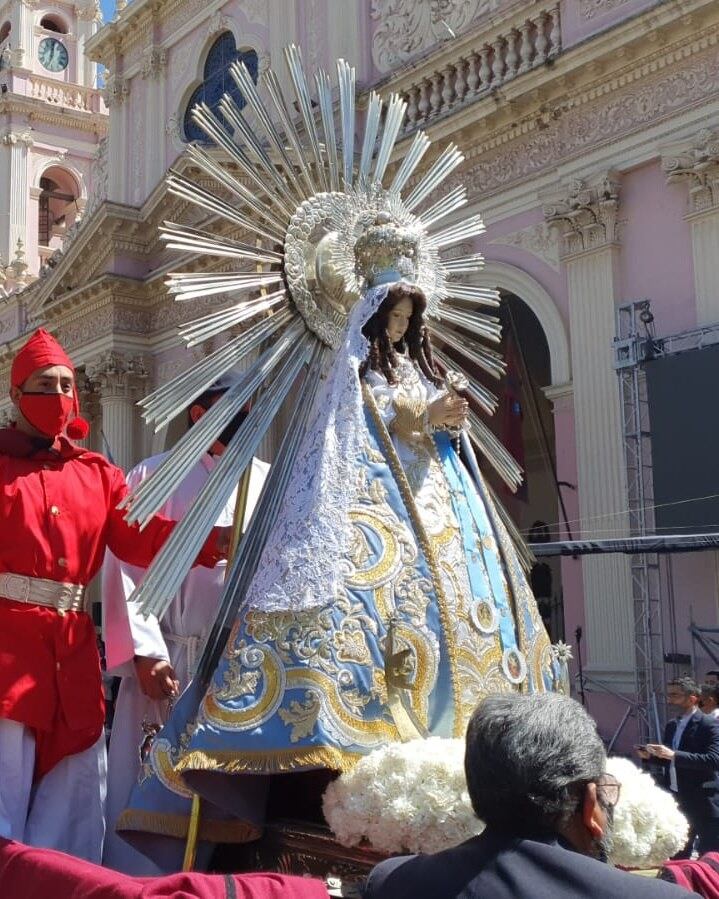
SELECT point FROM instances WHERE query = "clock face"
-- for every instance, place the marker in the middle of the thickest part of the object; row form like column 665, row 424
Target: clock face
column 52, row 54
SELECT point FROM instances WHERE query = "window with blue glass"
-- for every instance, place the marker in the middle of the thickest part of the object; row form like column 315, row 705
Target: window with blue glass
column 217, row 81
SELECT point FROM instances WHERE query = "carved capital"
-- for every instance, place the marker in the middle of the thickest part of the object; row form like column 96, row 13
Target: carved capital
column 116, row 90
column 115, row 375
column 697, row 165
column 586, row 218
column 14, row 138
column 154, row 60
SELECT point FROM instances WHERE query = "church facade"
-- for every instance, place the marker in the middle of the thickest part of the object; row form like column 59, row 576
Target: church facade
column 590, row 134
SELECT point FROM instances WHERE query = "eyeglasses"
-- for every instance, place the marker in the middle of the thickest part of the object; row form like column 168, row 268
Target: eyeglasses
column 608, row 790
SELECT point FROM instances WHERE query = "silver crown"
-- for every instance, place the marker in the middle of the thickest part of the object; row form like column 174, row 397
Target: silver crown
column 387, row 252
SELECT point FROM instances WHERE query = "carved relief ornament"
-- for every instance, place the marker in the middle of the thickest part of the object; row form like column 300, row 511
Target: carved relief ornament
column 406, row 27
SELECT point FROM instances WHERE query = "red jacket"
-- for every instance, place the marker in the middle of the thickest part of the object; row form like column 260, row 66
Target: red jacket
column 58, row 513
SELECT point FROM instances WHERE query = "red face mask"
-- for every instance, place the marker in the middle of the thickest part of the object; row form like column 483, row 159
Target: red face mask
column 47, row 412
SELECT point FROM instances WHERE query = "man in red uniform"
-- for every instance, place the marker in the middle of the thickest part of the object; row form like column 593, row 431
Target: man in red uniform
column 58, row 513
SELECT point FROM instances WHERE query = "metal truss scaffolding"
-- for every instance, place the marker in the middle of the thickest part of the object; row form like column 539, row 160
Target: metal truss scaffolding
column 635, row 345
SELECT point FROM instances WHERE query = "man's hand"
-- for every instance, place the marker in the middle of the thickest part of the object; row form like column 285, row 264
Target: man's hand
column 157, row 678
column 660, row 752
column 449, row 411
column 641, row 751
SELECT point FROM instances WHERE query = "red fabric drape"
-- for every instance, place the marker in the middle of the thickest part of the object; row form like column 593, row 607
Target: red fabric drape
column 701, row 876
column 27, row 873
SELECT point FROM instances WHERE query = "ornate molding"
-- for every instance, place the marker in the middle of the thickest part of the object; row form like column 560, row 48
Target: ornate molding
column 610, row 107
column 154, row 60
column 697, row 164
column 114, row 374
column 586, row 219
column 592, row 8
column 406, row 27
column 540, row 240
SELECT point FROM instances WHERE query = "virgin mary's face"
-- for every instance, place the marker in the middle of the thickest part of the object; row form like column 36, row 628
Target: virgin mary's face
column 398, row 320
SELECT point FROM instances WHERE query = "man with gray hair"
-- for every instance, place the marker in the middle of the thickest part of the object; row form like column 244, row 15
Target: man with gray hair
column 536, row 776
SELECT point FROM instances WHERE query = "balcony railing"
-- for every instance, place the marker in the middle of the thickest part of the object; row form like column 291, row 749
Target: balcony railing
column 482, row 64
column 70, row 96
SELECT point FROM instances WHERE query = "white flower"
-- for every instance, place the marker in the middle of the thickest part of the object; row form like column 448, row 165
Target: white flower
column 648, row 826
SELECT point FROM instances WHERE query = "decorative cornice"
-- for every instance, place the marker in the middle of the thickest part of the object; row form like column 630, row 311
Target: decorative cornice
column 586, row 218
column 696, row 164
column 66, row 117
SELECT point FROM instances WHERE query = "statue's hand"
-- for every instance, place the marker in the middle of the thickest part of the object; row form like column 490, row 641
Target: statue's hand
column 448, row 411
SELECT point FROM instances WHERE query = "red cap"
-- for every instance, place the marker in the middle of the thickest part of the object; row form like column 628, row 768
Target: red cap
column 41, row 351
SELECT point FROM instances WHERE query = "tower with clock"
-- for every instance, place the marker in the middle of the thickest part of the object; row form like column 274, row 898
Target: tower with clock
column 52, row 119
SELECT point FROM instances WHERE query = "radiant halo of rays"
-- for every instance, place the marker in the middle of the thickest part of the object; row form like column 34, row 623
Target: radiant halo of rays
column 275, row 168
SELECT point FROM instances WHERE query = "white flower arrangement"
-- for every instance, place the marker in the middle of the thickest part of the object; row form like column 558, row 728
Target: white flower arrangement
column 648, row 826
column 412, row 797
column 404, row 797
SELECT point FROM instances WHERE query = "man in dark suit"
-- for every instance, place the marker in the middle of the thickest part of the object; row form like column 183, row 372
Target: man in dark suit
column 690, row 755
column 535, row 775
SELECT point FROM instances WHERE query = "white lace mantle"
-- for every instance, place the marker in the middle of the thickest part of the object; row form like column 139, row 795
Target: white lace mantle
column 303, row 563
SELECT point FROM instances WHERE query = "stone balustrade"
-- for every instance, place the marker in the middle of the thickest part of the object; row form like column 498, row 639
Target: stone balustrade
column 480, row 68
column 70, row 96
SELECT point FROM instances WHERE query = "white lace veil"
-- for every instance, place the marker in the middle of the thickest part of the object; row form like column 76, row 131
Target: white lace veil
column 303, row 563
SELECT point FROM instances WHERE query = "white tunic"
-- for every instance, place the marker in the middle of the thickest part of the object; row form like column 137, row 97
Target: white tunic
column 177, row 638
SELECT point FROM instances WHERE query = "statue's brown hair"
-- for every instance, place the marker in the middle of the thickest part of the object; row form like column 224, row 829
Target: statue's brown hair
column 382, row 354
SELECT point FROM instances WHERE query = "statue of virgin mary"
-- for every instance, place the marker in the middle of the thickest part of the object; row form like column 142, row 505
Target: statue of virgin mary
column 377, row 595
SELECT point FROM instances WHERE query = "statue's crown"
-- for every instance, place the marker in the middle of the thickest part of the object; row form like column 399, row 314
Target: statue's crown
column 386, row 252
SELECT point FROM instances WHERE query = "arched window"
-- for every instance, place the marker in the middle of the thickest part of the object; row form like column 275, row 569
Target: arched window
column 57, row 206
column 218, row 81
column 53, row 23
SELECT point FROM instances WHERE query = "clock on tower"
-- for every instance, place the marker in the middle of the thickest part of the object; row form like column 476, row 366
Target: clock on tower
column 52, row 54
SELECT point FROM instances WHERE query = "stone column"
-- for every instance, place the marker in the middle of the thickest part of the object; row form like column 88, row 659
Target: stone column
column 118, row 380
column 696, row 164
column 14, row 149
column 116, row 92
column 154, row 67
column 586, row 220
column 89, row 17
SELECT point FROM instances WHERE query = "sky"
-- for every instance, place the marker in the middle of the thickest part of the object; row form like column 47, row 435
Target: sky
column 108, row 8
